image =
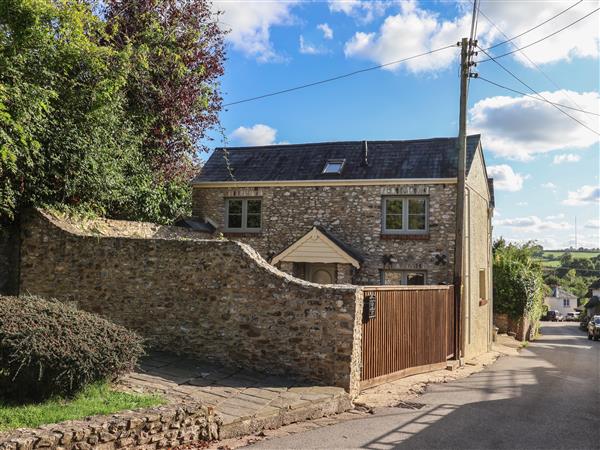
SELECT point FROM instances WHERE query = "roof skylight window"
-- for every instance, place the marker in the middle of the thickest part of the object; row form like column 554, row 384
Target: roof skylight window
column 334, row 166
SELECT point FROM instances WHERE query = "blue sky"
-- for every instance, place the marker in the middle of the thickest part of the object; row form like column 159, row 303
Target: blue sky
column 545, row 164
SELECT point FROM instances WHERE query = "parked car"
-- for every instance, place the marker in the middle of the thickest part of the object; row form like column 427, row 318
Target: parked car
column 594, row 328
column 572, row 316
column 584, row 323
column 554, row 316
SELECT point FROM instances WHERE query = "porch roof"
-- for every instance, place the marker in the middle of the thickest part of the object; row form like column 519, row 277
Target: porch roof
column 319, row 246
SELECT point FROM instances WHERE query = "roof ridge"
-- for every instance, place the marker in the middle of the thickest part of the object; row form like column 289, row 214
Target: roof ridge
column 309, row 144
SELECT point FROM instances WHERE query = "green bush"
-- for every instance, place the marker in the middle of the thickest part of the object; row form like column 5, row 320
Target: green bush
column 518, row 283
column 49, row 348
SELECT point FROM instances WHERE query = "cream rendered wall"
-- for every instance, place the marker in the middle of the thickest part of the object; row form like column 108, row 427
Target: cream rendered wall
column 477, row 336
column 556, row 303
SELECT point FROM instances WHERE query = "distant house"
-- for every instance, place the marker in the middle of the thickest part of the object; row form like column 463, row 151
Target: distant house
column 562, row 301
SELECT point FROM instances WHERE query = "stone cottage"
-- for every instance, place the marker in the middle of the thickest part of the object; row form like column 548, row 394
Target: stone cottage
column 366, row 213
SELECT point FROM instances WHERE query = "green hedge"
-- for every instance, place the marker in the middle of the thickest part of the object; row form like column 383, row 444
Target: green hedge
column 518, row 282
column 49, row 348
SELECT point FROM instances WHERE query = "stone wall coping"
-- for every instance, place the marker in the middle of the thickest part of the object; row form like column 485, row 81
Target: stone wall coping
column 71, row 227
column 101, row 227
column 155, row 427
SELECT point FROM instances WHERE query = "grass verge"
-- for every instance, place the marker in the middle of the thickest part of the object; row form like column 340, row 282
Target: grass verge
column 95, row 399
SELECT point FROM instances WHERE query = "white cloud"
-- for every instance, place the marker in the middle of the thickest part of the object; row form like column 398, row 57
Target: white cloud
column 580, row 40
column 364, row 11
column 555, row 217
column 548, row 185
column 585, row 195
column 326, row 29
column 410, row 32
column 532, row 224
column 416, row 29
column 258, row 134
column 566, row 158
column 505, row 178
column 521, row 127
column 593, row 224
column 250, row 22
column 310, row 49
column 522, row 203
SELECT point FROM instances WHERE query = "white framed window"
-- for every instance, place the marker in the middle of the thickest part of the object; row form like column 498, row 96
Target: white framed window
column 243, row 214
column 334, row 166
column 405, row 215
column 566, row 302
column 403, row 277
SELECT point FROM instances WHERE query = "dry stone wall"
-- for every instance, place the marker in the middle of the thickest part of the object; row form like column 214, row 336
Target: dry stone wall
column 352, row 214
column 214, row 299
column 153, row 428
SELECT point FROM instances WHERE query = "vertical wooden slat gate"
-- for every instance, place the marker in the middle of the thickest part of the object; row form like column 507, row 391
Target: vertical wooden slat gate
column 412, row 331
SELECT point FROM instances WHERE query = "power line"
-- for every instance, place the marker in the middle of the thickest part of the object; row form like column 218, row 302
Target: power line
column 540, row 40
column 525, row 55
column 530, row 29
column 537, row 93
column 536, row 98
column 346, row 75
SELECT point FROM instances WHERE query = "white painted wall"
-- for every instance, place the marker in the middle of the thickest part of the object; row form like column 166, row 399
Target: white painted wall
column 557, row 302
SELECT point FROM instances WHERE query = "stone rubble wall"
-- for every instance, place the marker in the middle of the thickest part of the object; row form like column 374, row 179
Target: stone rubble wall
column 351, row 213
column 9, row 257
column 153, row 428
column 521, row 327
column 213, row 299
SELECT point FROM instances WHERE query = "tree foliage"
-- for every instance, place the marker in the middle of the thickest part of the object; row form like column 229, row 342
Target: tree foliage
column 518, row 283
column 103, row 110
column 176, row 53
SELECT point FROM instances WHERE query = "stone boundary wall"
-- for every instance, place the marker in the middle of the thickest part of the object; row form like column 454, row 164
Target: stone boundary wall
column 521, row 327
column 214, row 299
column 153, row 428
column 9, row 260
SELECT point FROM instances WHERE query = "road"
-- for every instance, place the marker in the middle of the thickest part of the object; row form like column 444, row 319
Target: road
column 548, row 397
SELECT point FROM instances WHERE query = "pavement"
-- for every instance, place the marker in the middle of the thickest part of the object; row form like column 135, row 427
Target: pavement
column 547, row 397
column 408, row 388
column 247, row 402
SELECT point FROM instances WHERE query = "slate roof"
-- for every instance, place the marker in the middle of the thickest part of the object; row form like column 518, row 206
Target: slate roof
column 423, row 158
column 559, row 292
column 194, row 223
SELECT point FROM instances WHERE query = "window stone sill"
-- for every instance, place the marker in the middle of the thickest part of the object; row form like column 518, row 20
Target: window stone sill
column 238, row 234
column 405, row 237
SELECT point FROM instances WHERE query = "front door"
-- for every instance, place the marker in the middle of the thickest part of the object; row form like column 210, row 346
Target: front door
column 321, row 273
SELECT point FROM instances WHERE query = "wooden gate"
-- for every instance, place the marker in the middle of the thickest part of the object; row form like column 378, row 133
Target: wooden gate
column 406, row 330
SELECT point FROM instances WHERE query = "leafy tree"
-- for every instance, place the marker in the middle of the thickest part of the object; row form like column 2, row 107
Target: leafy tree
column 77, row 129
column 566, row 259
column 176, row 55
column 537, row 250
column 518, row 283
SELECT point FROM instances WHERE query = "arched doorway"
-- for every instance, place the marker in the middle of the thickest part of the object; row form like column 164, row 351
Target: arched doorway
column 321, row 273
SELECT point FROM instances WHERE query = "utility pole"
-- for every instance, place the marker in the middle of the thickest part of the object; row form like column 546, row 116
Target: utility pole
column 466, row 53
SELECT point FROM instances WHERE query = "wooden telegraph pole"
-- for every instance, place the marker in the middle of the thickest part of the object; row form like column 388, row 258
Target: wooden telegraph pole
column 466, row 46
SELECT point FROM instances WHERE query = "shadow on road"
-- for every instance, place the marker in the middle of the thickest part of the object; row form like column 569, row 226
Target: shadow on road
column 546, row 398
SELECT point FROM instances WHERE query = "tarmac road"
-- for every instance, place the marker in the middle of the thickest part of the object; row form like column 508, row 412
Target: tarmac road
column 548, row 397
